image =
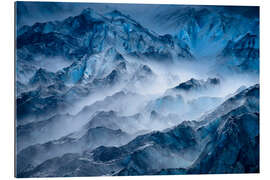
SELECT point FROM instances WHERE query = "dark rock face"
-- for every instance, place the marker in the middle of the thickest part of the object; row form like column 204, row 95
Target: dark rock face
column 42, row 77
column 32, row 105
column 235, row 149
column 194, row 85
column 191, row 84
column 242, row 53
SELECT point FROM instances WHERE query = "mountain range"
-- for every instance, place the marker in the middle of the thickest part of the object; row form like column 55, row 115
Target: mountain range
column 99, row 93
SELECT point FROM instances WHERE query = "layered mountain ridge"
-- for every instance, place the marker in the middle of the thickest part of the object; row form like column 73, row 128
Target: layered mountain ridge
column 194, row 147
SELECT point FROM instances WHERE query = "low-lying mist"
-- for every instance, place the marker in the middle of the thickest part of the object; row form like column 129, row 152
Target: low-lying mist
column 148, row 96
